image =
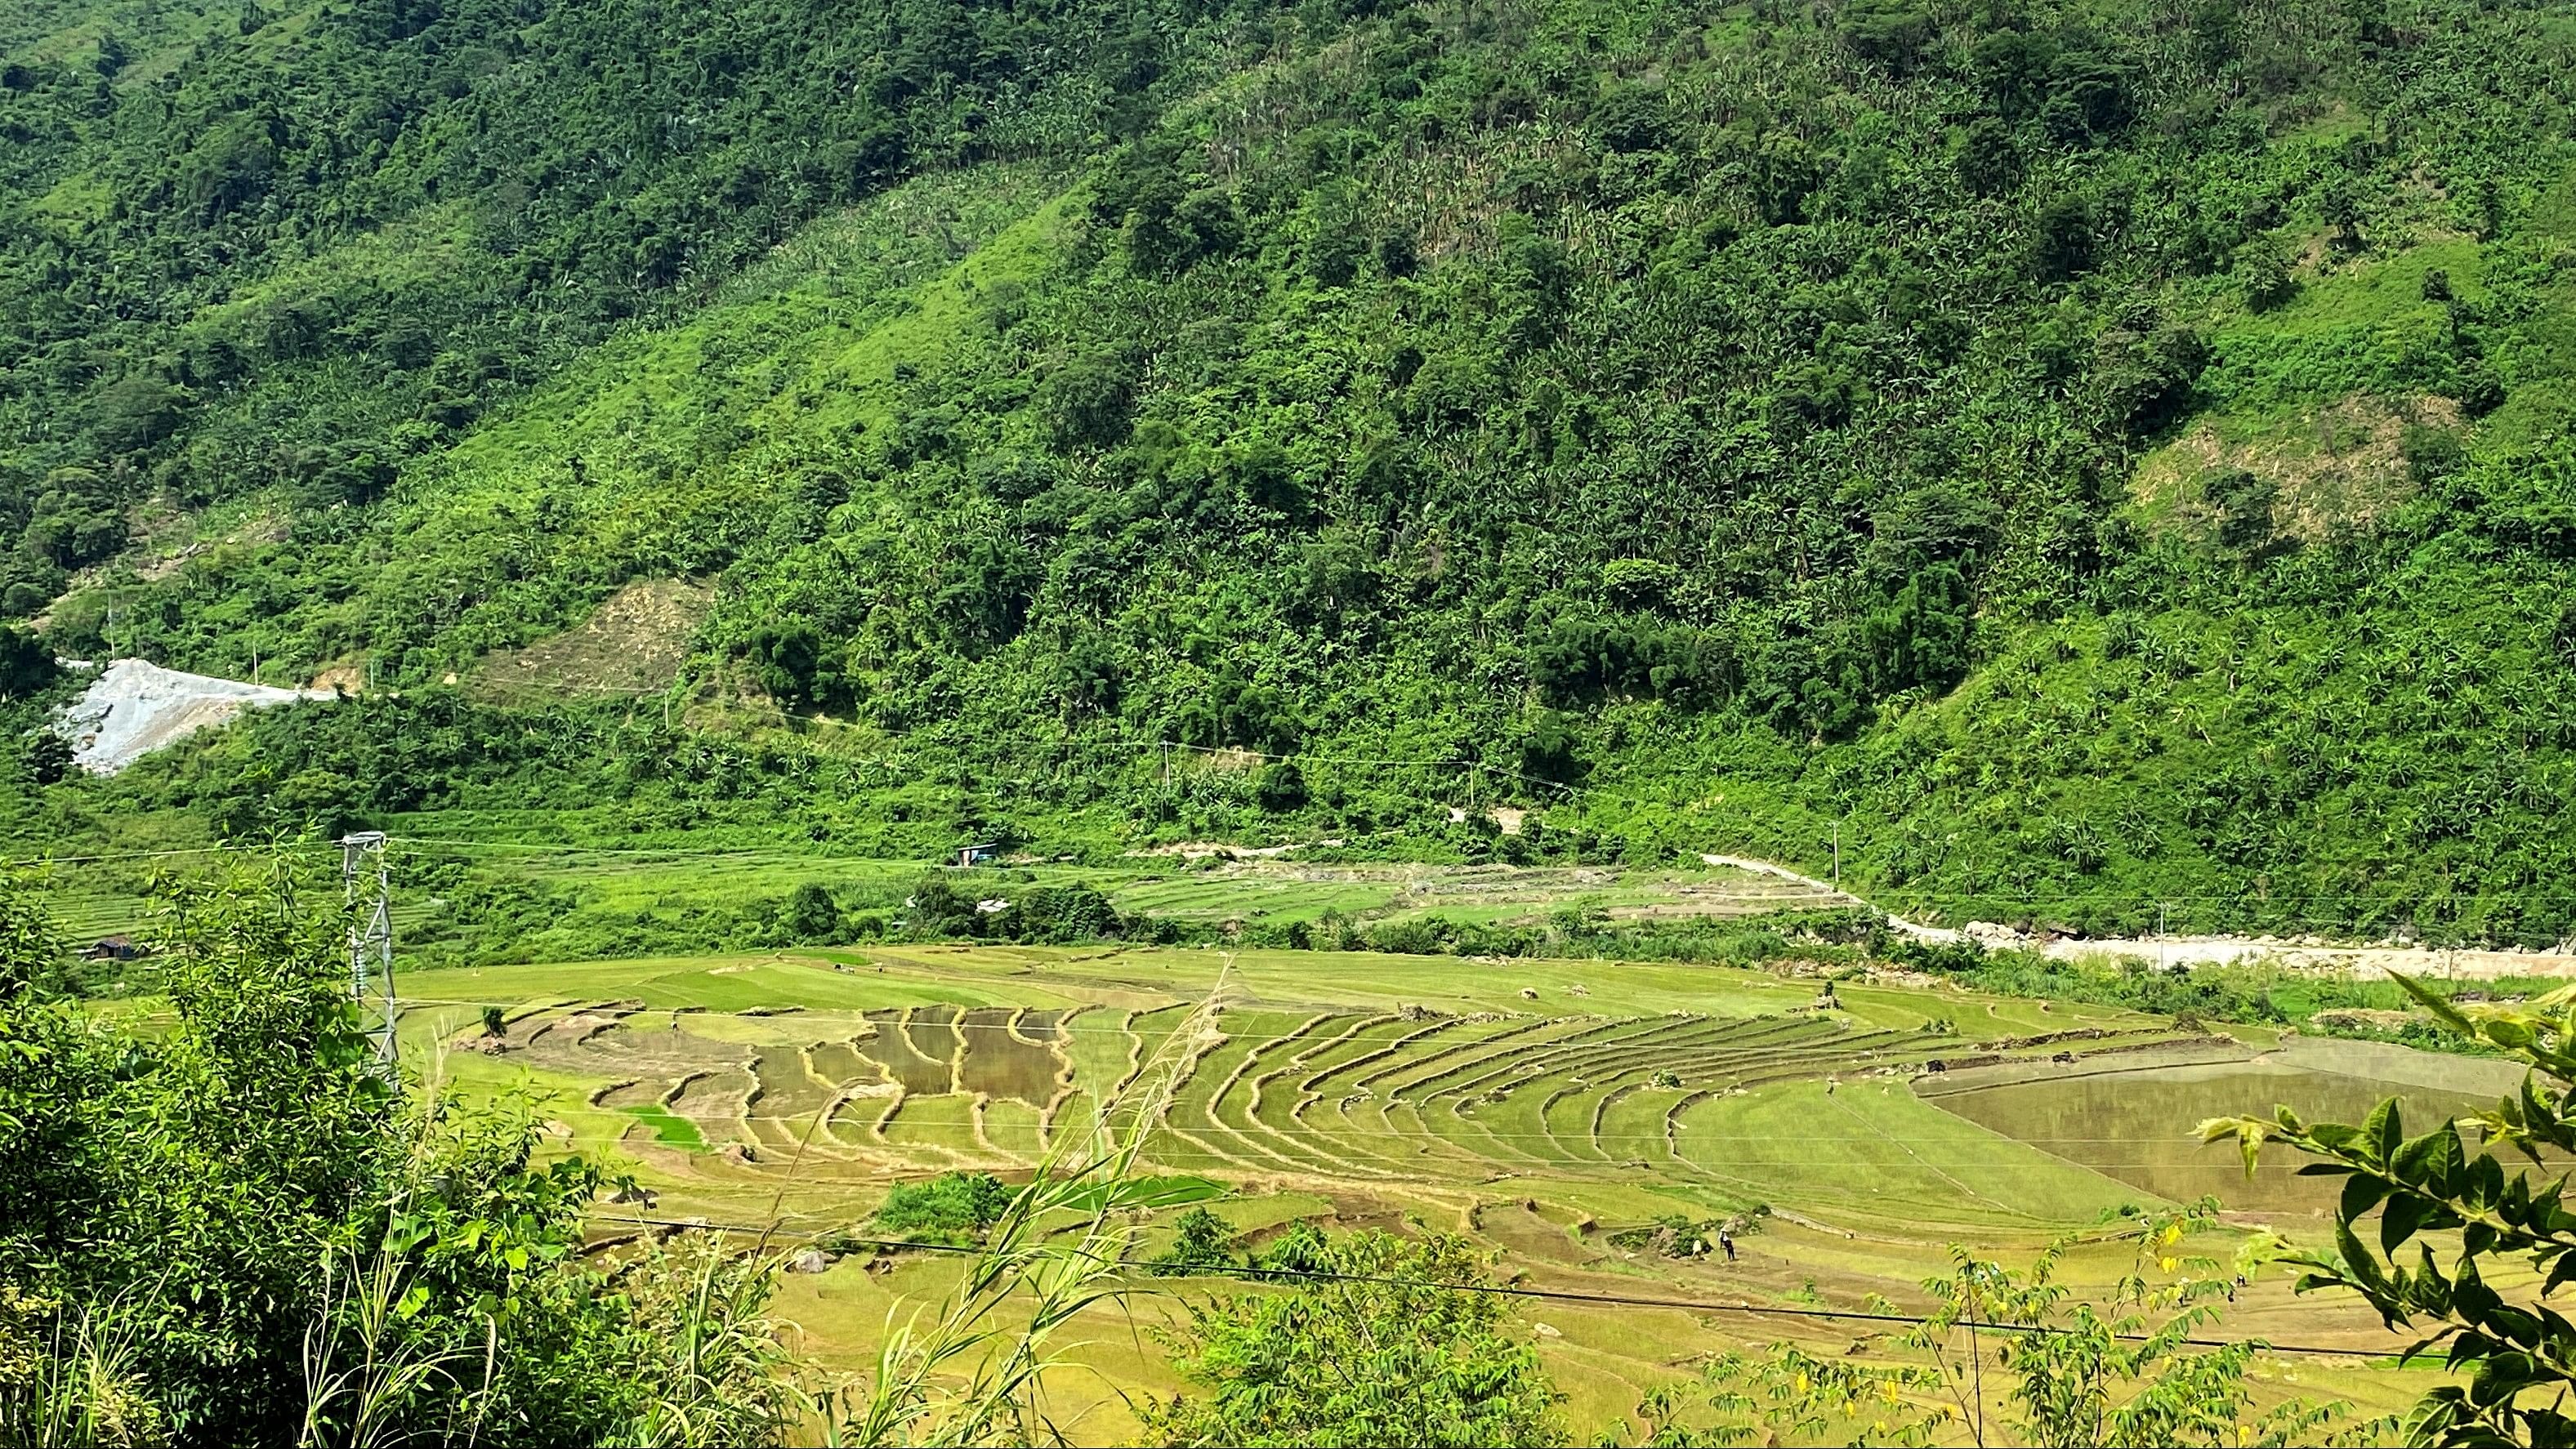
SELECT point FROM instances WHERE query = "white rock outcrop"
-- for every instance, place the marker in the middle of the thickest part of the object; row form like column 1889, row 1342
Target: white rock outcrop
column 134, row 708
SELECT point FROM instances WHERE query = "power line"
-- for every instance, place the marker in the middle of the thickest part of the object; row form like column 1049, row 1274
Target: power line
column 791, row 851
column 1826, row 891
column 1557, row 1295
column 26, row 861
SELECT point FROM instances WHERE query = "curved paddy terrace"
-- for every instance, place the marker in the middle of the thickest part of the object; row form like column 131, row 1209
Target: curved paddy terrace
column 1544, row 1107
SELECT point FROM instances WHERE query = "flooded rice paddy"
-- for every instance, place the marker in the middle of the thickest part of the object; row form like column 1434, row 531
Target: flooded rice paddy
column 2134, row 1122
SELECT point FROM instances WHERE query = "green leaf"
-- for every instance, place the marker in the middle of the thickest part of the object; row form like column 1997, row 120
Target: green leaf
column 2501, row 1376
column 2361, row 1193
column 2429, row 1160
column 2434, row 1002
column 2358, row 1264
column 414, row 1299
column 2384, row 1132
column 2429, row 1290
column 2482, row 1182
column 2509, row 1033
column 2406, row 1212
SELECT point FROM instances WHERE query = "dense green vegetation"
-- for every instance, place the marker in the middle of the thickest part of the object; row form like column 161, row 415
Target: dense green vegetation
column 1385, row 1357
column 322, row 244
column 227, row 1227
column 2109, row 458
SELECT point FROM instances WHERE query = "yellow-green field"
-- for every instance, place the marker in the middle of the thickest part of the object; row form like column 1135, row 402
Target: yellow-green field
column 612, row 896
column 1540, row 1107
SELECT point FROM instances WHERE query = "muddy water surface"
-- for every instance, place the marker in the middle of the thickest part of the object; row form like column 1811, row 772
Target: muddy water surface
column 898, row 1050
column 2136, row 1125
column 1002, row 1062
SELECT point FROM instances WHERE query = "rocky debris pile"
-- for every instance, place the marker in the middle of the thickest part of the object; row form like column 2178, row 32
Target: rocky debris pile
column 134, row 708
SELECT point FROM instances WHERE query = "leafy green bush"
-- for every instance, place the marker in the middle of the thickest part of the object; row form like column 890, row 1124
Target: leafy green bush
column 233, row 1228
column 1201, row 1242
column 1389, row 1354
column 955, row 1207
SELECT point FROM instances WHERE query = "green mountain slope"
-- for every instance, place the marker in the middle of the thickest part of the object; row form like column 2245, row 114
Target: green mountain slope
column 2103, row 459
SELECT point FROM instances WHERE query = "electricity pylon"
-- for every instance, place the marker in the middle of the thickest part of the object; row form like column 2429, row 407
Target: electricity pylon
column 371, row 944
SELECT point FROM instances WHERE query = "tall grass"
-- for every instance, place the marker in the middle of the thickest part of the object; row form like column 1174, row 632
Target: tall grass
column 75, row 1383
column 360, row 1371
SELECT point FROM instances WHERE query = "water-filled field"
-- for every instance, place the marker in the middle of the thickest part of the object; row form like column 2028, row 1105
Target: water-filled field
column 2118, row 1119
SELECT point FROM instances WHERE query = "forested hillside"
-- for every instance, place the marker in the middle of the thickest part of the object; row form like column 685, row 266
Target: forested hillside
column 2110, row 457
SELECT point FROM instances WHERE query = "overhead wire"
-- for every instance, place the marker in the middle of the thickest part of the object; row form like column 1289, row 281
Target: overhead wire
column 797, row 852
column 1517, row 1290
column 794, row 852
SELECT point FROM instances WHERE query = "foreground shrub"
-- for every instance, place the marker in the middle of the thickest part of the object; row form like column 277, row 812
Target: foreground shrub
column 230, row 1226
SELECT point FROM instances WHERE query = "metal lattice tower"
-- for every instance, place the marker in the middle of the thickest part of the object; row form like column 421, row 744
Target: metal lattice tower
column 371, row 943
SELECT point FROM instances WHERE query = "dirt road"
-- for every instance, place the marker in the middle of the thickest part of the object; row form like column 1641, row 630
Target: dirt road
column 2308, row 954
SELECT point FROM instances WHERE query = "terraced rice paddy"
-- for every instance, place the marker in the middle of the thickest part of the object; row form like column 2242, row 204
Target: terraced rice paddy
column 1578, row 1081
column 1282, row 891
column 1538, row 1106
column 632, row 894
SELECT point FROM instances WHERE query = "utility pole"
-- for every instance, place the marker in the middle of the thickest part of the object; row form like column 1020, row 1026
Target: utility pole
column 1838, row 853
column 2160, row 935
column 371, row 945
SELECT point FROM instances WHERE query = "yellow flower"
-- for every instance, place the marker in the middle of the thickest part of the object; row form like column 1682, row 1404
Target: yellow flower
column 1802, row 1381
column 2167, row 1264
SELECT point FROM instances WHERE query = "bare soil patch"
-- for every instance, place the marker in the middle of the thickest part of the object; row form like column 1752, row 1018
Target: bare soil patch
column 2338, row 467
column 635, row 641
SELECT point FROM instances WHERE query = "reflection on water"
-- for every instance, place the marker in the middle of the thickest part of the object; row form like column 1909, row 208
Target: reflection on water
column 999, row 1063
column 2136, row 1126
column 935, row 1051
column 895, row 1045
